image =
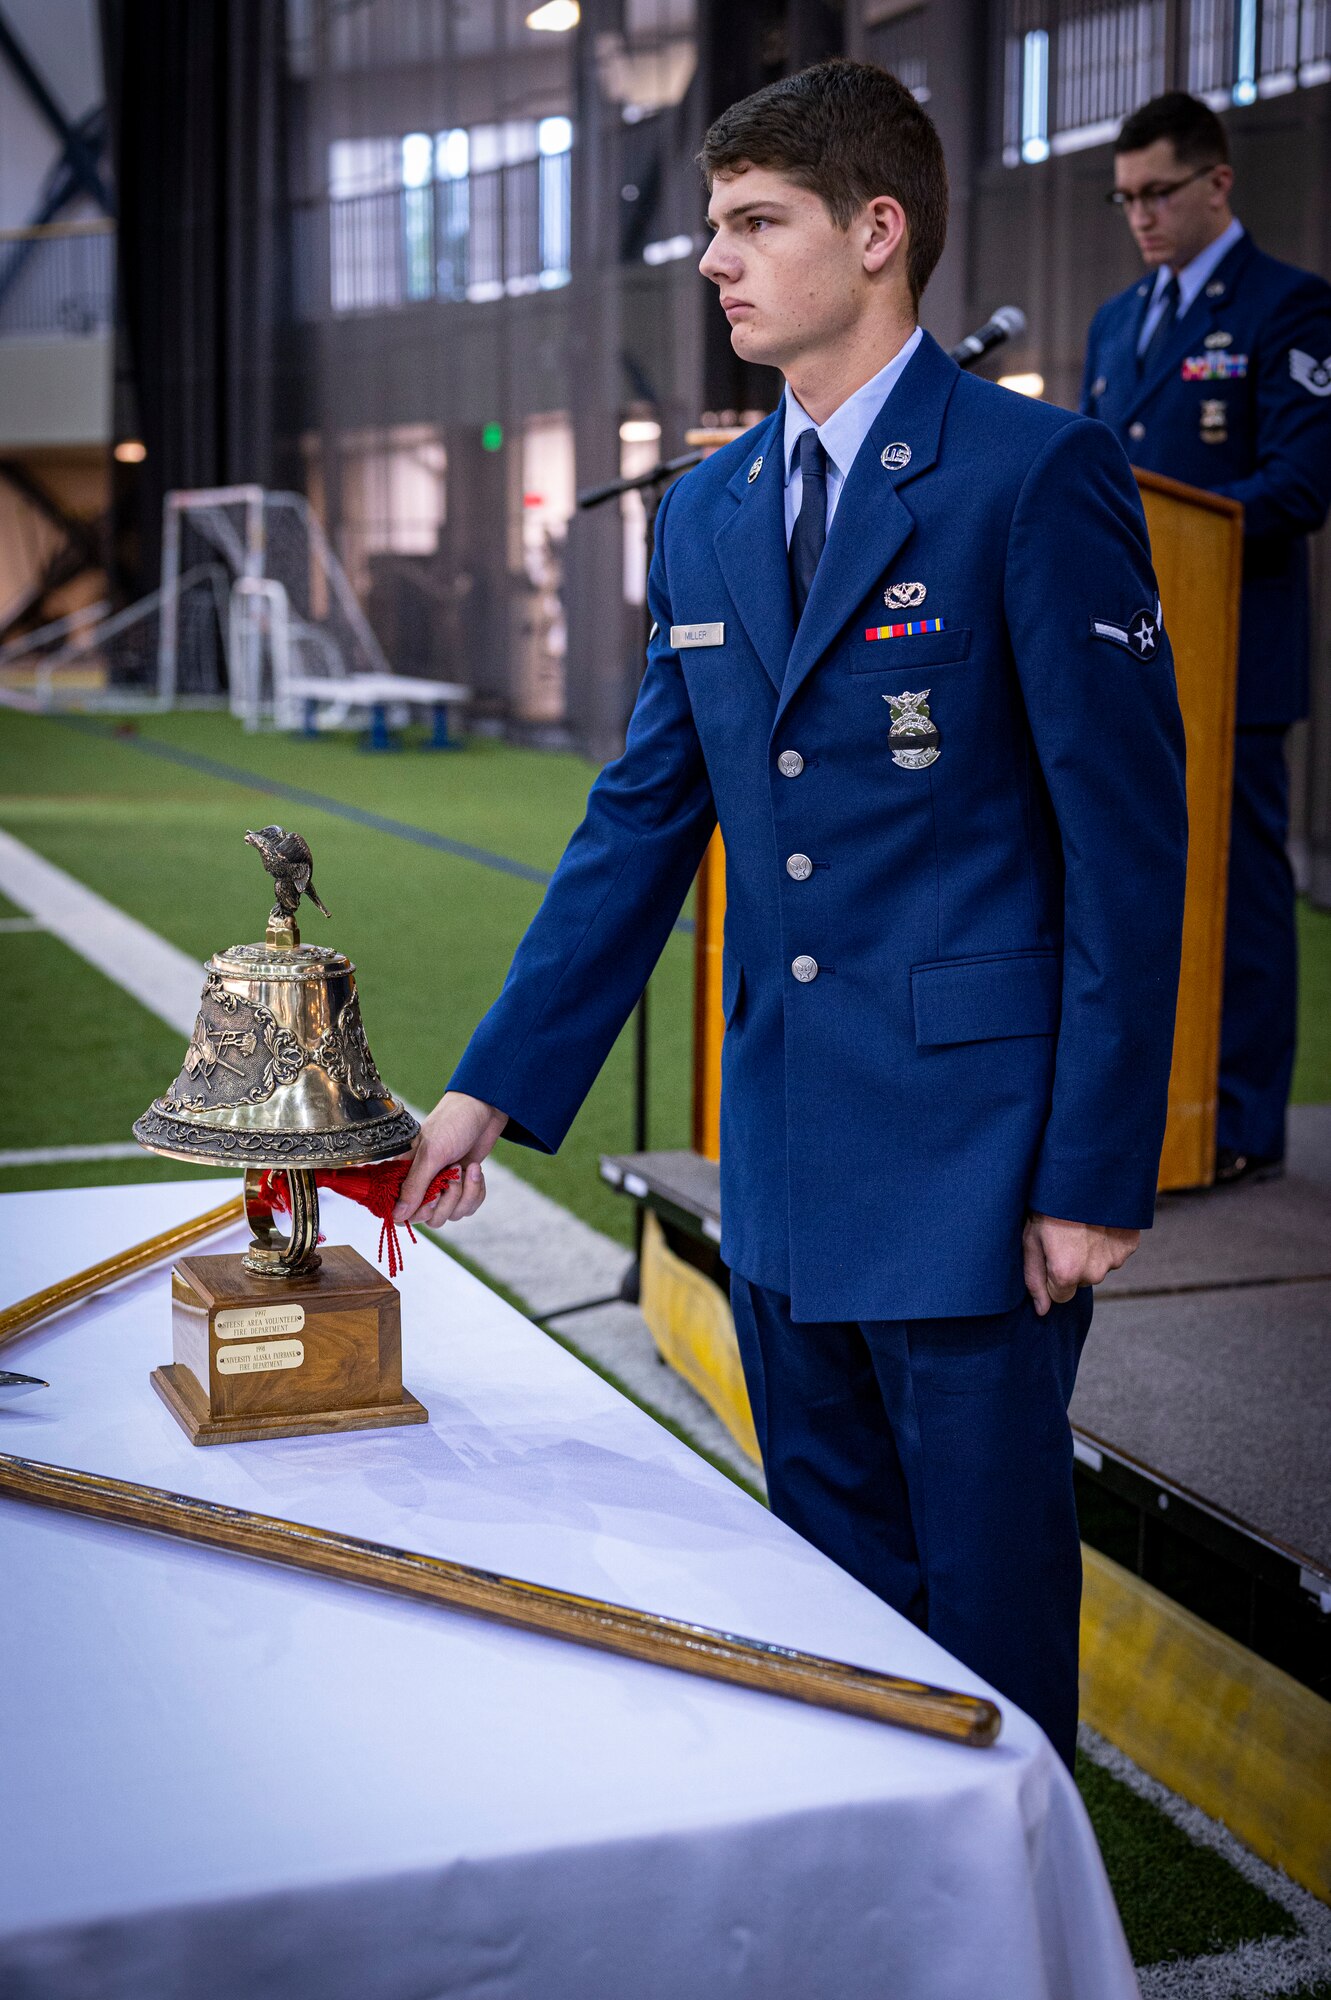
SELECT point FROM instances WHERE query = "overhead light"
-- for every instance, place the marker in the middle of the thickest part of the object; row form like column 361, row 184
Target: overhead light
column 639, row 430
column 556, row 17
column 1023, row 385
column 131, row 451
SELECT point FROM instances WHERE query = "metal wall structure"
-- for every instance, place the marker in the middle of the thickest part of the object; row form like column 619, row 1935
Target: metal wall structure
column 494, row 234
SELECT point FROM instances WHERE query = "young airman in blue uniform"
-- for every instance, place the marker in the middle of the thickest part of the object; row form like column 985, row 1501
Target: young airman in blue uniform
column 908, row 651
column 1216, row 369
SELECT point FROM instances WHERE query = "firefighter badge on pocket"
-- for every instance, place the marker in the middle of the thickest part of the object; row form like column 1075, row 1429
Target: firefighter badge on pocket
column 914, row 738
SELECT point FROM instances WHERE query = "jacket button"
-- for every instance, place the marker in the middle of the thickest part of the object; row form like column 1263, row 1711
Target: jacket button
column 799, row 867
column 790, row 763
column 1136, row 430
column 804, row 969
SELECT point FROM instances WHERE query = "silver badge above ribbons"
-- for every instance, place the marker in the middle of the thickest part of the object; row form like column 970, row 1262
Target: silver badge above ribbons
column 682, row 636
column 904, row 596
column 895, row 457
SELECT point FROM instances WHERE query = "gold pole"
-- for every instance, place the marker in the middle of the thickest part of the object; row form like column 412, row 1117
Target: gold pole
column 588, row 1621
column 29, row 1312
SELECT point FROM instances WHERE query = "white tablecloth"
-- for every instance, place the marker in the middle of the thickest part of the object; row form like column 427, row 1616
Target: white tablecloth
column 222, row 1779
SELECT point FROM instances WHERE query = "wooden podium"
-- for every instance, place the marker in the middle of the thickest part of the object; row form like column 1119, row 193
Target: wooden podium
column 1197, row 546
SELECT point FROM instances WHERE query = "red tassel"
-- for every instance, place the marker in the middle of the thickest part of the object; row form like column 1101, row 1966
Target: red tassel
column 376, row 1188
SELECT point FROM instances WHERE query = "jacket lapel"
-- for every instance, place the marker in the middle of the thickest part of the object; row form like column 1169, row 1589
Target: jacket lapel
column 751, row 549
column 1192, row 325
column 872, row 521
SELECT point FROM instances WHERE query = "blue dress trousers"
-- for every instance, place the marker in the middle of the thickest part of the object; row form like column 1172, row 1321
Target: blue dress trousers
column 962, row 1008
column 1238, row 400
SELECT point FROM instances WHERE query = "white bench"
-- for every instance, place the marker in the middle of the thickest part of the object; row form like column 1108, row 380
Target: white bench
column 379, row 693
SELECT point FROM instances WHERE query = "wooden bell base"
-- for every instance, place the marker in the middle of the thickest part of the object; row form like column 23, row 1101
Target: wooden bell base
column 181, row 1394
column 258, row 1357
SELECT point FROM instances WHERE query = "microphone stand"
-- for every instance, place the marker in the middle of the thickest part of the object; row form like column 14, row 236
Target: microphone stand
column 651, row 485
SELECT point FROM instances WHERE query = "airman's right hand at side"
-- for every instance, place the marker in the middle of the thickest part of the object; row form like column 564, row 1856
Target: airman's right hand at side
column 460, row 1131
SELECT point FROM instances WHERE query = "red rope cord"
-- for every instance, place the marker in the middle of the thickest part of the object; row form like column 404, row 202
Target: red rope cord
column 376, row 1188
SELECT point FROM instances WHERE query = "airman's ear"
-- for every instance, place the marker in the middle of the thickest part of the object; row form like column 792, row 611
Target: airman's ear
column 884, row 228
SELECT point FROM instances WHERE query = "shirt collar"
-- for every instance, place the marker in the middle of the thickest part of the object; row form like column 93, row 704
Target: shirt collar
column 850, row 423
column 1194, row 275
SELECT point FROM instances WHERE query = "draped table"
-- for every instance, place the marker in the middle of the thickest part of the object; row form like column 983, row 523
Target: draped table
column 222, row 1778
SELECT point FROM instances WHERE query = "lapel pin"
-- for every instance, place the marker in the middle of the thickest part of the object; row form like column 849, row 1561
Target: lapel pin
column 1216, row 289
column 755, row 468
column 1099, row 385
column 904, row 596
column 895, row 457
column 914, row 737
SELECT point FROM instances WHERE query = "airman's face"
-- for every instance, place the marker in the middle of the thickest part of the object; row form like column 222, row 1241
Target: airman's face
column 788, row 278
column 1173, row 211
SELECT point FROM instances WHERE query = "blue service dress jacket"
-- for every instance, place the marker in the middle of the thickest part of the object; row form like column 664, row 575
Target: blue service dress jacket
column 964, row 1004
column 1239, row 402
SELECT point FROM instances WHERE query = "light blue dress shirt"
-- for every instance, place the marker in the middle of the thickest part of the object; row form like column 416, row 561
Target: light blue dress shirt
column 1190, row 280
column 843, row 433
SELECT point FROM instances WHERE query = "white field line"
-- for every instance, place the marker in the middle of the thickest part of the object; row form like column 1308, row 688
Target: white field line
column 59, row 1156
column 1259, row 1970
column 550, row 1259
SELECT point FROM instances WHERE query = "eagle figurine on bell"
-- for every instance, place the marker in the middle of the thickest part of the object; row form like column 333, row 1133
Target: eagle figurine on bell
column 278, row 1080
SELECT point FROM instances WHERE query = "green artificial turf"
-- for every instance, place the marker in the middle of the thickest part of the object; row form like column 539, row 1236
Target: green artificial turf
column 1312, row 1068
column 1177, row 1900
column 431, row 933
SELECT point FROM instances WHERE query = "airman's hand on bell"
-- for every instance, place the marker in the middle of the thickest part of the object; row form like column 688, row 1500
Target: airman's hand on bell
column 1058, row 1257
column 460, row 1131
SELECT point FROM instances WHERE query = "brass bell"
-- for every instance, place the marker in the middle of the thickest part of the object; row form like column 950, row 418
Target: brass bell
column 278, row 1074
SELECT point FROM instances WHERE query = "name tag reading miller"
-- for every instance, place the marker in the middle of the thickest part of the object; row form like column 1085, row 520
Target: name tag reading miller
column 697, row 635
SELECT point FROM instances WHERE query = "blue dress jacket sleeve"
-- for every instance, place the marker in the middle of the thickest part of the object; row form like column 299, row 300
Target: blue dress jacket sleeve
column 1289, row 491
column 607, row 913
column 1108, row 740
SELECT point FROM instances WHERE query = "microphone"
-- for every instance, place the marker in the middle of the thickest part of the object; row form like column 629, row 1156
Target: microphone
column 1008, row 323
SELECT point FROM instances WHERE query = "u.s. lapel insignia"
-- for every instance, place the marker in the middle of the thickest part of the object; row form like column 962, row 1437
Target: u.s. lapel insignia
column 1214, row 420
column 755, row 468
column 904, row 596
column 1312, row 375
column 1219, row 339
column 1216, row 289
column 895, row 457
column 914, row 737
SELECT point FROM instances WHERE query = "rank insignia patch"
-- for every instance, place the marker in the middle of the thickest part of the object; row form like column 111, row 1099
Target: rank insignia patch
column 1140, row 636
column 1216, row 367
column 914, row 738
column 1314, row 376
column 910, row 631
column 904, row 596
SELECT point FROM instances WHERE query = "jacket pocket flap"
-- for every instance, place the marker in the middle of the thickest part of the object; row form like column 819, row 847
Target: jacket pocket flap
column 910, row 655
column 986, row 999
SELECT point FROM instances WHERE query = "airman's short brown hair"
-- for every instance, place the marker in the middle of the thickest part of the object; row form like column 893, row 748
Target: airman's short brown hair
column 846, row 131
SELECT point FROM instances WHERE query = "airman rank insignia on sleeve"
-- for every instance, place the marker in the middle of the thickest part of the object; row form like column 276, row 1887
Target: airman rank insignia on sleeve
column 1140, row 636
column 914, row 737
column 1314, row 376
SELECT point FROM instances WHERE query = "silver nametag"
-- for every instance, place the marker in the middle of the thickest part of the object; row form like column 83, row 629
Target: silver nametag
column 697, row 635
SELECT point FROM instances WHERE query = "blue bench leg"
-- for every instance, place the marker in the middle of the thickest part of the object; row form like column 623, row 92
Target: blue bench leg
column 440, row 739
column 380, row 737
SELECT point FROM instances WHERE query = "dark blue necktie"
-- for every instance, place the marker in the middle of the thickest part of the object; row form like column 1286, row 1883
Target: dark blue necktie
column 1164, row 326
column 810, row 531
